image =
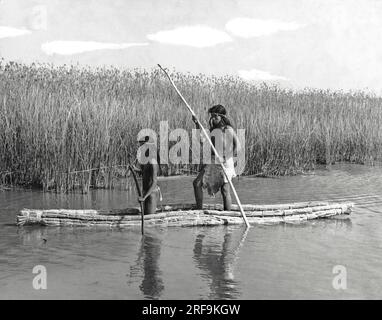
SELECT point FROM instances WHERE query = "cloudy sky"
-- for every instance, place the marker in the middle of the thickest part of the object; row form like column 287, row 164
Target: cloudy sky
column 301, row 43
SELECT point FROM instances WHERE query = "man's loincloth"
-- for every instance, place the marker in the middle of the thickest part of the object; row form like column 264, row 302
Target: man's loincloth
column 214, row 177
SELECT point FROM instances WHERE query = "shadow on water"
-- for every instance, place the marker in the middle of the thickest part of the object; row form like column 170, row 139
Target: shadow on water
column 216, row 259
column 147, row 264
column 331, row 223
column 217, row 262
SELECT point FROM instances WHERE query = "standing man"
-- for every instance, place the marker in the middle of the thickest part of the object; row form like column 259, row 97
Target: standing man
column 149, row 171
column 211, row 176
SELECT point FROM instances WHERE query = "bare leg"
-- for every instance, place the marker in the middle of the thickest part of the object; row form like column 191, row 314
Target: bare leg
column 151, row 203
column 227, row 201
column 198, row 189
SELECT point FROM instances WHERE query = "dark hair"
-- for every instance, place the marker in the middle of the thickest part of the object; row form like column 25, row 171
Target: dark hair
column 218, row 108
column 221, row 111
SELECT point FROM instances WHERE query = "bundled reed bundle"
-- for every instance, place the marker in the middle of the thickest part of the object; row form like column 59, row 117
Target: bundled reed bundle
column 183, row 215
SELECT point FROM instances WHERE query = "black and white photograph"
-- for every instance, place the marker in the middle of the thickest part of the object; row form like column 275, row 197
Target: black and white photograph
column 190, row 150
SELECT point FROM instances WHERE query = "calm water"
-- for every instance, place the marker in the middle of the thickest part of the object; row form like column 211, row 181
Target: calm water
column 285, row 261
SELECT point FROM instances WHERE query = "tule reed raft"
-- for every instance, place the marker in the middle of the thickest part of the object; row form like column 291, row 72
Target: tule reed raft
column 183, row 215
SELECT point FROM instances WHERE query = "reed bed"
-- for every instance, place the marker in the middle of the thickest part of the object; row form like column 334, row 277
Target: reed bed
column 71, row 127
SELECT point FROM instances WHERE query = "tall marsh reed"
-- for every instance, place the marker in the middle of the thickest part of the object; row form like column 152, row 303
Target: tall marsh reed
column 67, row 127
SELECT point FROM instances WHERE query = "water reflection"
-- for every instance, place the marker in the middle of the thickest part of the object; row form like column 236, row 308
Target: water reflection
column 217, row 262
column 332, row 224
column 294, row 256
column 147, row 264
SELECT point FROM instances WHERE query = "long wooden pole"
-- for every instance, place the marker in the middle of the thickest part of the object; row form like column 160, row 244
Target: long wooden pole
column 212, row 146
column 140, row 194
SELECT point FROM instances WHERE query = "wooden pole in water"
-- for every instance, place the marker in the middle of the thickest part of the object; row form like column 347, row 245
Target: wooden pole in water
column 139, row 191
column 212, row 146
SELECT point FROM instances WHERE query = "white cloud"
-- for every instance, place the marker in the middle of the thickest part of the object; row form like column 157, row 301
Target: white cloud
column 259, row 75
column 194, row 36
column 73, row 47
column 248, row 28
column 7, row 32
